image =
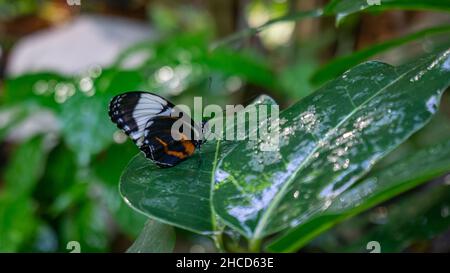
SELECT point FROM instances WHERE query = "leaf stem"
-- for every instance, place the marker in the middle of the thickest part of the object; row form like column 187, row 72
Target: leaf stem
column 235, row 248
column 218, row 242
column 254, row 245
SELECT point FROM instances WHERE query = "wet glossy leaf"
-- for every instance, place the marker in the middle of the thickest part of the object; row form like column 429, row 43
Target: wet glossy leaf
column 380, row 186
column 339, row 65
column 328, row 141
column 155, row 237
column 169, row 195
column 181, row 195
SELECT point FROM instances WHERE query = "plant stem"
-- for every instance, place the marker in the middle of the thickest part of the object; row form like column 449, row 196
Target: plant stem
column 235, row 248
column 254, row 245
column 218, row 242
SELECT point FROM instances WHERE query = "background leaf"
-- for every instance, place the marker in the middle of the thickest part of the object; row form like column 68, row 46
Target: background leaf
column 17, row 222
column 36, row 88
column 91, row 115
column 340, row 64
column 155, row 237
column 26, row 167
column 108, row 168
column 87, row 223
column 404, row 226
column 380, row 186
column 343, row 8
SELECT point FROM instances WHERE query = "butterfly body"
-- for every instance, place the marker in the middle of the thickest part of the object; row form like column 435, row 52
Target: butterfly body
column 148, row 119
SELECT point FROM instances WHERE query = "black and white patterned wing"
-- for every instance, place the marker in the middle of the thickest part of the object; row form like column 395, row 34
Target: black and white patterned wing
column 160, row 146
column 131, row 111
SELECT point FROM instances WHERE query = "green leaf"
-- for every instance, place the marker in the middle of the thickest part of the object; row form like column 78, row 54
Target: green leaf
column 382, row 185
column 343, row 8
column 169, row 195
column 328, row 141
column 25, row 167
column 17, row 222
column 181, row 195
column 155, row 237
column 408, row 224
column 251, row 68
column 295, row 79
column 404, row 225
column 36, row 88
column 339, row 65
column 69, row 198
column 59, row 175
column 86, row 127
column 113, row 81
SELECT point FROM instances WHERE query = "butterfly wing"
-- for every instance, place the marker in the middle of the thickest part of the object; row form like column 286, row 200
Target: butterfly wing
column 161, row 147
column 131, row 111
column 146, row 119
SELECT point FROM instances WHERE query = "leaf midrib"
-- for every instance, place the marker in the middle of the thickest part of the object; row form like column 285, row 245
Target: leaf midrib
column 213, row 170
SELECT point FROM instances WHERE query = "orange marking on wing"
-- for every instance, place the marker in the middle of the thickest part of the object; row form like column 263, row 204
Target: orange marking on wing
column 188, row 146
column 189, row 149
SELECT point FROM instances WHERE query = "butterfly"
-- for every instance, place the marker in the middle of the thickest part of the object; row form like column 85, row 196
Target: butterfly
column 148, row 119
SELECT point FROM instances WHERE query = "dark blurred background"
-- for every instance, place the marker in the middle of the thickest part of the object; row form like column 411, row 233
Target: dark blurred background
column 60, row 63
